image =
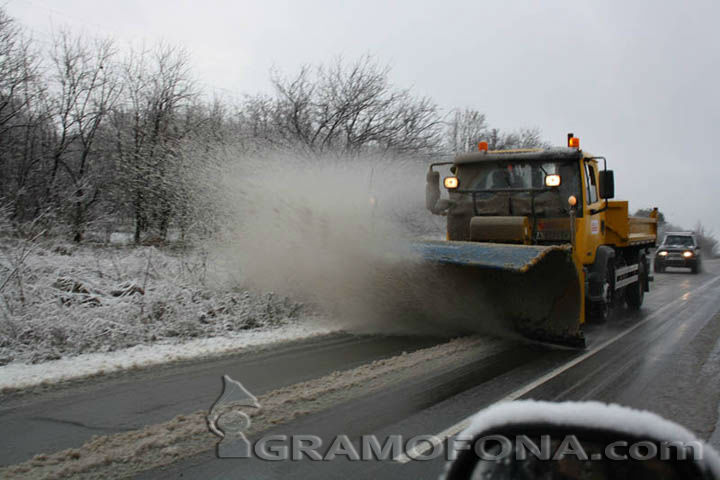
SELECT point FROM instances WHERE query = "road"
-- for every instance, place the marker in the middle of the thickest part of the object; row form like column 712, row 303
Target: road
column 664, row 359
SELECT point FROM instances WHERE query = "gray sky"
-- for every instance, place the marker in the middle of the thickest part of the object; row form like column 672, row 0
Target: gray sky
column 638, row 82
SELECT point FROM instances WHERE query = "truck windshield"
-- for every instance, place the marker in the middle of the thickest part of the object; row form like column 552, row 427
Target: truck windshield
column 509, row 175
column 488, row 185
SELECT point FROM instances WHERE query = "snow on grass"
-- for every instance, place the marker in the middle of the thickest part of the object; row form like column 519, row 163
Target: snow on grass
column 18, row 375
column 63, row 300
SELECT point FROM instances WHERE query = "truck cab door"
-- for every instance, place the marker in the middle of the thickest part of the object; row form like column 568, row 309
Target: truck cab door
column 594, row 222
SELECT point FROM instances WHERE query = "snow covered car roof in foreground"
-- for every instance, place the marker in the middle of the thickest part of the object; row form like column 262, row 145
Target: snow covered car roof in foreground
column 598, row 415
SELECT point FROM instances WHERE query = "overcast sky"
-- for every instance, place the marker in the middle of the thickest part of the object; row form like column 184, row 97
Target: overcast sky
column 637, row 81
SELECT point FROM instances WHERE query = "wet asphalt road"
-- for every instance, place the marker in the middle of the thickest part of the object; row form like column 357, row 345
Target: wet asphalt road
column 71, row 416
column 666, row 364
column 669, row 364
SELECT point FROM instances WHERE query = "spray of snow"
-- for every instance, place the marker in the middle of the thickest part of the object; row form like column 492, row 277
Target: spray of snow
column 334, row 233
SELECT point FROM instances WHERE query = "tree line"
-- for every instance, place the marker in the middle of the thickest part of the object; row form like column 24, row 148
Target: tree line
column 93, row 134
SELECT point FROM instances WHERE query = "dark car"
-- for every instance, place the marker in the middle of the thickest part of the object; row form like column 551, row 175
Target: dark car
column 679, row 249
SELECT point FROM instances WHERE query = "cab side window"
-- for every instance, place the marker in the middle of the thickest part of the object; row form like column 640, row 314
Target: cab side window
column 592, row 195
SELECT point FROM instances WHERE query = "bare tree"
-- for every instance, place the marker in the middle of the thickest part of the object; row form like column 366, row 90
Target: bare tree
column 707, row 241
column 22, row 125
column 465, row 130
column 85, row 88
column 343, row 108
column 150, row 126
column 18, row 67
column 523, row 138
column 257, row 124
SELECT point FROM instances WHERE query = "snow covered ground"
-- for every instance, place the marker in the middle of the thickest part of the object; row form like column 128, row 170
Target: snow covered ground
column 69, row 311
column 18, row 375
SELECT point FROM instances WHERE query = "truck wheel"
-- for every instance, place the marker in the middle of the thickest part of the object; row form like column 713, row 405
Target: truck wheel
column 695, row 268
column 659, row 268
column 635, row 292
column 601, row 311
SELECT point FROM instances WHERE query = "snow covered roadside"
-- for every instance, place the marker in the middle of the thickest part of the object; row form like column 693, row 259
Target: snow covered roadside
column 18, row 375
column 67, row 300
column 69, row 311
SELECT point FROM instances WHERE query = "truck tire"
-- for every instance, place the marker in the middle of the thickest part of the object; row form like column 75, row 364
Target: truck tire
column 659, row 268
column 635, row 292
column 695, row 268
column 600, row 311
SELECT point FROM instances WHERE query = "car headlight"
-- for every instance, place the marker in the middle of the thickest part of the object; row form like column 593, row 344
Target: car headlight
column 687, row 254
column 662, row 254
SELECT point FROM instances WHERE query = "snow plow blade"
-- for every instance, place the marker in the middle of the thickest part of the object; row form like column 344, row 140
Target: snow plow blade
column 532, row 290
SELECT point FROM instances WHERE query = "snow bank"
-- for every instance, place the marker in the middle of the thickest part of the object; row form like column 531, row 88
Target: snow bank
column 21, row 375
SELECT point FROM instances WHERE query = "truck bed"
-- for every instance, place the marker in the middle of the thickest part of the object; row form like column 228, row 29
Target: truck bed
column 624, row 230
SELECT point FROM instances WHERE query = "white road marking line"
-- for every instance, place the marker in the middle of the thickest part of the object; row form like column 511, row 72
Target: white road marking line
column 438, row 438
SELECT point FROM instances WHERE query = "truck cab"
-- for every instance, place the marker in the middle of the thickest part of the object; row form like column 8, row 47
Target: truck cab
column 545, row 197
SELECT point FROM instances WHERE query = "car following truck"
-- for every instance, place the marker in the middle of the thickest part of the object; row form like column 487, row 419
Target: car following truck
column 678, row 249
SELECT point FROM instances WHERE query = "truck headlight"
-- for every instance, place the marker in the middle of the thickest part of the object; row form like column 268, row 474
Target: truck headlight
column 687, row 254
column 553, row 180
column 662, row 254
column 451, row 183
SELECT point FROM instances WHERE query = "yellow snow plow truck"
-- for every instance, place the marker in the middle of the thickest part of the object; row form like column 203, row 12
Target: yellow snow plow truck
column 535, row 233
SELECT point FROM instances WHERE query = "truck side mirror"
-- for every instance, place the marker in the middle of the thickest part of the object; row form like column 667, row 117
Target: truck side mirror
column 607, row 184
column 432, row 190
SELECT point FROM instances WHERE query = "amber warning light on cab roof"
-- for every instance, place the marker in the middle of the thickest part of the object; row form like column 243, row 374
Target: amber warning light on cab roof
column 573, row 141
